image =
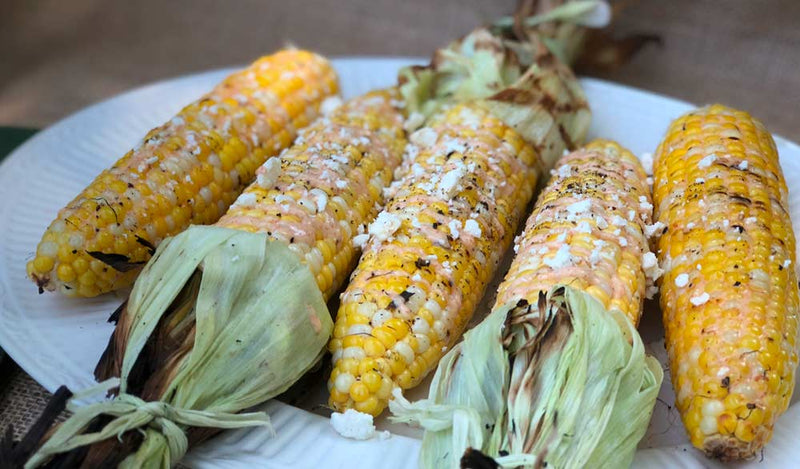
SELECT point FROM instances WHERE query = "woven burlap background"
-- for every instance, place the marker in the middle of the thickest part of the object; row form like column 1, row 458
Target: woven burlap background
column 57, row 57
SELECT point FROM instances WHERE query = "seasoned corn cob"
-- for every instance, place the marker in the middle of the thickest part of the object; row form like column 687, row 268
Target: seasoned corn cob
column 729, row 293
column 317, row 194
column 588, row 231
column 187, row 171
column 429, row 257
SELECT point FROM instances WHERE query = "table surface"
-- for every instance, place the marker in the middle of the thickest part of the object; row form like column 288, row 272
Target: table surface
column 58, row 57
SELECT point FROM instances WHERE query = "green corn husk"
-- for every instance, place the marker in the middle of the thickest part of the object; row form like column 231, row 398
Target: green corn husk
column 530, row 379
column 489, row 60
column 521, row 83
column 260, row 323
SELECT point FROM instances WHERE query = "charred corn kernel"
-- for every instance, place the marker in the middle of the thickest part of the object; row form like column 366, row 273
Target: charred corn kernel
column 182, row 172
column 729, row 295
column 436, row 245
column 595, row 206
column 299, row 198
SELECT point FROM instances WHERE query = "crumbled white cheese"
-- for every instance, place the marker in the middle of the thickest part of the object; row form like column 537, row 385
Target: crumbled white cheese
column 321, row 198
column 269, row 172
column 787, row 263
column 353, row 424
column 564, row 171
column 450, row 182
column 699, row 300
column 652, row 272
column 651, row 230
column 583, row 227
column 579, row 207
column 707, row 161
column 424, row 137
column 384, row 226
column 690, row 225
column 623, row 241
column 452, row 145
column 618, row 220
column 682, row 280
column 472, row 228
column 246, row 199
column 602, row 224
column 647, row 163
column 644, row 203
column 649, row 181
column 563, row 258
column 455, row 228
column 631, row 215
column 750, row 220
column 360, row 240
column 151, row 160
column 699, row 181
column 329, row 105
column 743, row 165
column 341, row 184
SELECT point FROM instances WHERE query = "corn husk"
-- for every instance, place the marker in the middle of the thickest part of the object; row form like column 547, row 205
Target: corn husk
column 520, row 82
column 260, row 322
column 530, row 378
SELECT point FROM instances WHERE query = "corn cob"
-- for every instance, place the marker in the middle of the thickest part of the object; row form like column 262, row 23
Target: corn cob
column 729, row 294
column 433, row 249
column 327, row 186
column 187, row 171
column 587, row 231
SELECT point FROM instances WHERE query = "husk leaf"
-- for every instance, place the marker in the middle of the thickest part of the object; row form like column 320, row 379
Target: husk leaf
column 261, row 323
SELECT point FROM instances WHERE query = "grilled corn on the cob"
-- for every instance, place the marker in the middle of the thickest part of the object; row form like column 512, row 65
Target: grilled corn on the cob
column 729, row 294
column 430, row 255
column 187, row 171
column 432, row 251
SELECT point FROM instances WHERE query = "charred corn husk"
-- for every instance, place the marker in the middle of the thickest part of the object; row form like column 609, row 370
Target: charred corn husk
column 729, row 293
column 226, row 317
column 430, row 253
column 556, row 375
column 187, row 171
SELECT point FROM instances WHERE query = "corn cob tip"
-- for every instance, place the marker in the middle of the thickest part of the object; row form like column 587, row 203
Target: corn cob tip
column 727, row 448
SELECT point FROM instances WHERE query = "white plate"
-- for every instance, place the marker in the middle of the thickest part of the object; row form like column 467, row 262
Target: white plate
column 58, row 340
